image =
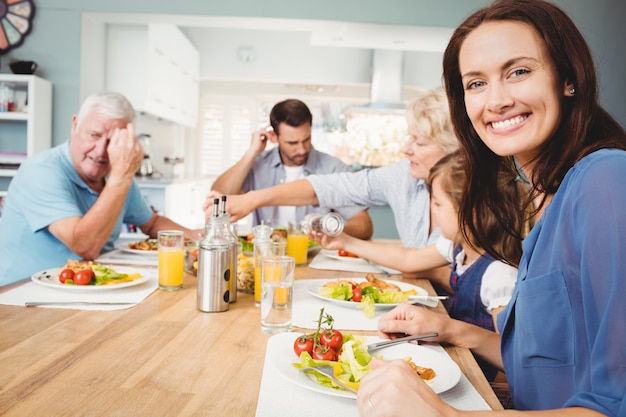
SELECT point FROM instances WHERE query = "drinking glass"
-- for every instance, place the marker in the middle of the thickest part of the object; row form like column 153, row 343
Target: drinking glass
column 297, row 244
column 277, row 295
column 262, row 250
column 171, row 259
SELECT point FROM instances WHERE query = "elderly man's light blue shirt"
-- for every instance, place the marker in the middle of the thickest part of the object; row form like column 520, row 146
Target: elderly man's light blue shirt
column 46, row 189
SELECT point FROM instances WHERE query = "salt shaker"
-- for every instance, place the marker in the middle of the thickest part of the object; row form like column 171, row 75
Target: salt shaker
column 330, row 224
column 214, row 268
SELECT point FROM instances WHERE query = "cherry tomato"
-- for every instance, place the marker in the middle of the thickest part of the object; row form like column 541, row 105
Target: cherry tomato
column 65, row 275
column 345, row 253
column 83, row 277
column 324, row 353
column 303, row 343
column 356, row 294
column 332, row 339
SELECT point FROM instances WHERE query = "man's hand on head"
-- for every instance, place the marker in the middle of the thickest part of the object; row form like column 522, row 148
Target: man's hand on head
column 125, row 153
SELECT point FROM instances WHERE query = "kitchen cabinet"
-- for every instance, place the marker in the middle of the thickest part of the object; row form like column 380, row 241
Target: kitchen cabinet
column 156, row 67
column 27, row 130
column 180, row 200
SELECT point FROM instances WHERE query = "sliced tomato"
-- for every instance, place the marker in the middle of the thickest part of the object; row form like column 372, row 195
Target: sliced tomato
column 347, row 254
column 356, row 294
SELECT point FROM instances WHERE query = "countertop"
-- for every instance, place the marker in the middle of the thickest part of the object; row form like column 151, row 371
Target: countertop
column 157, row 181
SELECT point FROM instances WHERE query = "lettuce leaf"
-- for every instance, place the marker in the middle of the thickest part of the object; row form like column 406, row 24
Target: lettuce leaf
column 307, row 360
column 354, row 360
column 338, row 292
column 104, row 274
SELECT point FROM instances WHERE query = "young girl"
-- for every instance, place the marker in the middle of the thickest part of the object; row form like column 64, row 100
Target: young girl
column 480, row 286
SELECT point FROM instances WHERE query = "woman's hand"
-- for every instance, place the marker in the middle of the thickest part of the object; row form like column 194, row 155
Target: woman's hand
column 328, row 242
column 394, row 389
column 408, row 319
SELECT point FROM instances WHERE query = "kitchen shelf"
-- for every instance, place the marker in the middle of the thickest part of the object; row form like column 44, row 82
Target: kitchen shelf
column 7, row 173
column 18, row 116
column 27, row 131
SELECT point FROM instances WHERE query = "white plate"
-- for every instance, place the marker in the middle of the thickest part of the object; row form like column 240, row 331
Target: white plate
column 314, row 287
column 50, row 278
column 447, row 372
column 123, row 246
column 332, row 254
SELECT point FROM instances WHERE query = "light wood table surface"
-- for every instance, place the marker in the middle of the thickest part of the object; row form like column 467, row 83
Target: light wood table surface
column 162, row 357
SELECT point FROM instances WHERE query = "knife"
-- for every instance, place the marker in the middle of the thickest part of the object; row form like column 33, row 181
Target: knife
column 73, row 303
column 380, row 345
column 427, row 300
column 381, row 270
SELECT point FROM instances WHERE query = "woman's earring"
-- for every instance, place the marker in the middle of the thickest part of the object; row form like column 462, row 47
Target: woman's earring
column 572, row 91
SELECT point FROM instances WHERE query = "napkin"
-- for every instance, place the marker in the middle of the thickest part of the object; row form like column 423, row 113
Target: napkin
column 280, row 397
column 121, row 257
column 306, row 309
column 133, row 295
column 321, row 261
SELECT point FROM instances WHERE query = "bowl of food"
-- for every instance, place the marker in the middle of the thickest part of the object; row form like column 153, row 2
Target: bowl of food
column 191, row 257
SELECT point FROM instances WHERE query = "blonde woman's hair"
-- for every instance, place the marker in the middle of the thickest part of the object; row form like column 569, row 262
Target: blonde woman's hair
column 428, row 116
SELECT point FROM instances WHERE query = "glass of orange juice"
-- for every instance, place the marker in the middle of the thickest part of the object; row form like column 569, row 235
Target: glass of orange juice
column 297, row 245
column 171, row 259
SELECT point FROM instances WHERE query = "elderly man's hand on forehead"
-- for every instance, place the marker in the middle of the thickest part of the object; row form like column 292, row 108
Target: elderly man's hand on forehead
column 125, row 153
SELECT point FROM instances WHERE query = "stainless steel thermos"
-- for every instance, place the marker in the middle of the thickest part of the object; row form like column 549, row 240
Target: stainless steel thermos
column 215, row 267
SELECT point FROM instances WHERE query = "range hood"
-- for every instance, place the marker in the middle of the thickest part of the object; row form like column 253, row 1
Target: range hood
column 387, row 82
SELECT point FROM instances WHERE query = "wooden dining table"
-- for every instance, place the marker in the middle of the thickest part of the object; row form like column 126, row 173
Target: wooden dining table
column 162, row 357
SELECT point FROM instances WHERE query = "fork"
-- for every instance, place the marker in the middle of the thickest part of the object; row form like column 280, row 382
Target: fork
column 329, row 372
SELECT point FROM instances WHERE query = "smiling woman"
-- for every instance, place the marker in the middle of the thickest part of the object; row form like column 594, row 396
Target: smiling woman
column 522, row 91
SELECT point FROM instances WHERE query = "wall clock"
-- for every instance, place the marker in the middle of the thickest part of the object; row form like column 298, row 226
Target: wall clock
column 16, row 17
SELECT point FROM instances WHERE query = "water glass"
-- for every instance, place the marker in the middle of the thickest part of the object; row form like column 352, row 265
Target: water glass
column 171, row 259
column 264, row 249
column 277, row 295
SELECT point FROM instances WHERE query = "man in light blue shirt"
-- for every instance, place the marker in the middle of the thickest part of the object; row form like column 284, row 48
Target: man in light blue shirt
column 293, row 158
column 69, row 202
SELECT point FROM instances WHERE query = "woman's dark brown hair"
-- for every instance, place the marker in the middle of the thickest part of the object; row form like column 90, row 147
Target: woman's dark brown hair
column 584, row 126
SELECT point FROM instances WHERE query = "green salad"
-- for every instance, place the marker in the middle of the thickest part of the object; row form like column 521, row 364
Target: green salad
column 353, row 363
column 367, row 296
